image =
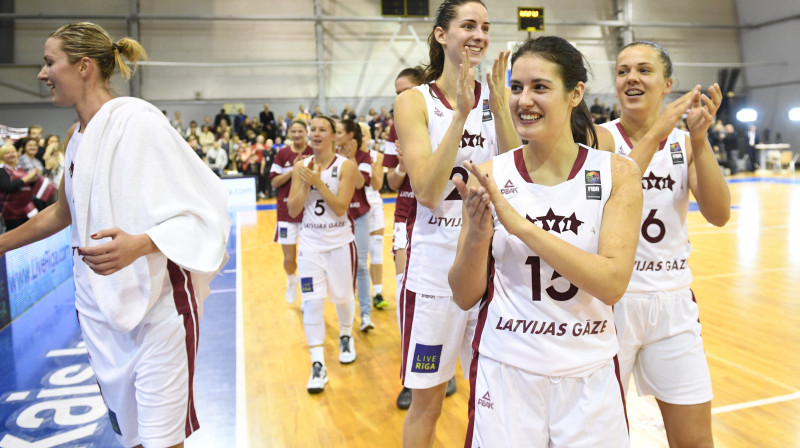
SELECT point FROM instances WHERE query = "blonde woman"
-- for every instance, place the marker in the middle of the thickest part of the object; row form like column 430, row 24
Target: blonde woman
column 136, row 217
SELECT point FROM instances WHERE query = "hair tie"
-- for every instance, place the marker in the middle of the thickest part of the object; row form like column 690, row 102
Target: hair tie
column 114, row 47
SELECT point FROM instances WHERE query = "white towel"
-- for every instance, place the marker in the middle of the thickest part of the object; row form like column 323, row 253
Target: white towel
column 137, row 173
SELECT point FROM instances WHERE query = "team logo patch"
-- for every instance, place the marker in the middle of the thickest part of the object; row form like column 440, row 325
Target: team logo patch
column 676, row 153
column 487, row 113
column 283, row 232
column 335, row 171
column 509, row 188
column 71, row 168
column 594, row 191
column 114, row 424
column 426, row 358
column 486, row 401
column 306, row 284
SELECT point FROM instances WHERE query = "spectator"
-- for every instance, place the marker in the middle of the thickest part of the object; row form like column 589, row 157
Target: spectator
column 195, row 145
column 597, row 111
column 177, row 123
column 316, row 112
column 731, row 148
column 28, row 160
column 303, row 115
column 752, row 140
column 282, row 127
column 615, row 112
column 217, row 158
column 53, row 159
column 238, row 120
column 34, row 132
column 193, row 130
column 222, row 115
column 206, row 138
column 223, row 128
column 267, row 119
column 16, row 191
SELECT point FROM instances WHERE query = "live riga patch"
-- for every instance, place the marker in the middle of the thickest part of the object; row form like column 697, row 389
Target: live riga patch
column 426, row 358
column 594, row 191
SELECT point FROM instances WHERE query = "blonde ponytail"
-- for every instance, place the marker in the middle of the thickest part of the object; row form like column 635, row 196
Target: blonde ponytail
column 86, row 39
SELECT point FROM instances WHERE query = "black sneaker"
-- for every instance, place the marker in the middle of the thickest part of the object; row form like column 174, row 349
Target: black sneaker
column 378, row 302
column 404, row 399
column 451, row 387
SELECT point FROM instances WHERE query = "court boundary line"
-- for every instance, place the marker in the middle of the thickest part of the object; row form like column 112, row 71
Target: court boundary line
column 241, row 408
column 755, row 403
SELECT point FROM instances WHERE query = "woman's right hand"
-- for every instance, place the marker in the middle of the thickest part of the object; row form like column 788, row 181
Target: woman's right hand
column 479, row 210
column 31, row 176
column 672, row 113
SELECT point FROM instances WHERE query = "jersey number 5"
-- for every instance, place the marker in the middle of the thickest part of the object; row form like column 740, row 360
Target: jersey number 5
column 319, row 207
column 536, row 286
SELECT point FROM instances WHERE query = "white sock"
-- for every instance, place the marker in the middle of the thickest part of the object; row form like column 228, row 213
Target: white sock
column 292, row 279
column 377, row 289
column 347, row 314
column 317, row 354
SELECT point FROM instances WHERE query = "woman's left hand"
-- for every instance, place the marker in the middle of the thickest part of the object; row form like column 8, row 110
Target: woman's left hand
column 120, row 252
column 496, row 79
column 701, row 114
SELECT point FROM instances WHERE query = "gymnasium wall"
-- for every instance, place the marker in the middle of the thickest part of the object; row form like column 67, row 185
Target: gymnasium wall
column 275, row 61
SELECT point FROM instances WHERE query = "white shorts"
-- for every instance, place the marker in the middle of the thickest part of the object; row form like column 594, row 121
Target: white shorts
column 660, row 342
column 399, row 237
column 434, row 332
column 376, row 218
column 286, row 232
column 328, row 273
column 146, row 375
column 510, row 407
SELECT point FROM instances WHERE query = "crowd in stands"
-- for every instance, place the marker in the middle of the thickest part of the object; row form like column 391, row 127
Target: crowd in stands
column 248, row 144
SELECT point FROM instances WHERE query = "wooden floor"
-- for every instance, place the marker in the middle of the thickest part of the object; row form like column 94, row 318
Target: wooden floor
column 746, row 280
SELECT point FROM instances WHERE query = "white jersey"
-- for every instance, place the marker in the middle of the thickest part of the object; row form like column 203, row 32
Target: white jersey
column 532, row 318
column 322, row 228
column 373, row 195
column 662, row 257
column 433, row 233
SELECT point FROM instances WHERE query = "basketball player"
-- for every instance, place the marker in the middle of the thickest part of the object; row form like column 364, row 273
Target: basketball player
column 658, row 319
column 547, row 260
column 441, row 124
column 134, row 216
column 376, row 218
column 322, row 187
column 348, row 141
column 280, row 176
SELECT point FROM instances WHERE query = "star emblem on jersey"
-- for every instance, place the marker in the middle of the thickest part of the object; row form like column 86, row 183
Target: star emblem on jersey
column 71, row 168
column 552, row 222
column 473, row 140
column 651, row 181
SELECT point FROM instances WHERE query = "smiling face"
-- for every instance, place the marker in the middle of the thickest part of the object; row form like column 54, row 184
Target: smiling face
column 31, row 148
column 641, row 83
column 61, row 76
column 540, row 104
column 10, row 158
column 469, row 29
column 321, row 134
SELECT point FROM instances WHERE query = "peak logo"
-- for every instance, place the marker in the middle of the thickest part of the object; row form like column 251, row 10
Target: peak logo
column 509, row 188
column 486, row 401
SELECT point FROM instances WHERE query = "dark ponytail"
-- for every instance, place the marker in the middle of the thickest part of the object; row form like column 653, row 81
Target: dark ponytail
column 572, row 68
column 352, row 126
